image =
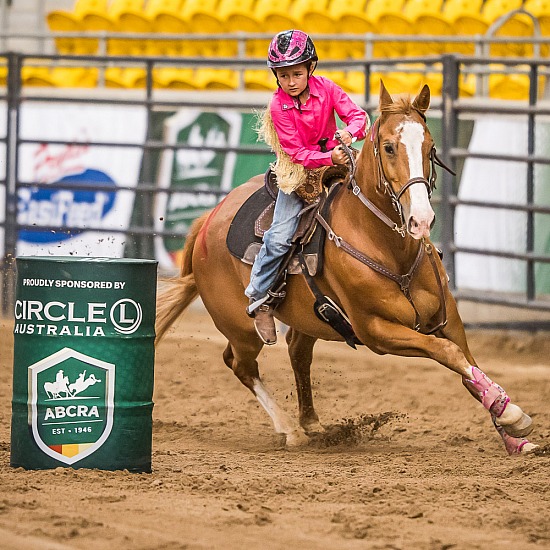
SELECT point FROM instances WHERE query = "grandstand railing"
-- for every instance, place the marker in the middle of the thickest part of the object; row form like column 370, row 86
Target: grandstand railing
column 45, row 42
column 451, row 107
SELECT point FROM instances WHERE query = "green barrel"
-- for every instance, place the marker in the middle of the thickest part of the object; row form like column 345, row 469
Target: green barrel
column 83, row 363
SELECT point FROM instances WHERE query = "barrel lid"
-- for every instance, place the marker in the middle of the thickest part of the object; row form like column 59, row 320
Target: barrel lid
column 85, row 259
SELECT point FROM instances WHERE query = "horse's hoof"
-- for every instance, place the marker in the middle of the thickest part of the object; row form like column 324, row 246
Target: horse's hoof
column 314, row 428
column 528, row 448
column 510, row 415
column 521, row 428
column 296, row 439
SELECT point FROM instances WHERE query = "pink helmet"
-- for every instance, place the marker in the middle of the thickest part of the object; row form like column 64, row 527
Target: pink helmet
column 290, row 48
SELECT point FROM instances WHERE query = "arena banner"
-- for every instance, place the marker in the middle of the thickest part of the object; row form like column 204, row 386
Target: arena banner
column 185, row 171
column 81, row 164
column 501, row 230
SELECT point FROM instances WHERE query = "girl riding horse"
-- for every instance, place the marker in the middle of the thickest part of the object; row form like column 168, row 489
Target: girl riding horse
column 302, row 112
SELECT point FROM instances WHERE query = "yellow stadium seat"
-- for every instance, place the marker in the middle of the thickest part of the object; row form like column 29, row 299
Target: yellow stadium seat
column 312, row 16
column 259, row 79
column 427, row 18
column 388, row 18
column 467, row 85
column 350, row 17
column 541, row 10
column 338, row 77
column 493, row 9
column 63, row 21
column 238, row 15
column 519, row 25
column 166, row 17
column 355, row 82
column 157, row 16
column 167, row 77
column 401, row 82
column 119, row 16
column 36, row 76
column 275, row 17
column 465, row 16
column 129, row 16
column 202, row 16
column 257, row 47
column 119, row 77
column 95, row 16
column 74, row 77
column 217, row 79
column 512, row 86
column 176, row 79
column 3, row 76
column 434, row 80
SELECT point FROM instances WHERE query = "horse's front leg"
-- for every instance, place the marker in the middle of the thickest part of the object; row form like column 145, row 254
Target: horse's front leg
column 300, row 350
column 512, row 424
column 384, row 336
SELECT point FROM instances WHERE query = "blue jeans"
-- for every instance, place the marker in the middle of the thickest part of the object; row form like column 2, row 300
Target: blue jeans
column 277, row 241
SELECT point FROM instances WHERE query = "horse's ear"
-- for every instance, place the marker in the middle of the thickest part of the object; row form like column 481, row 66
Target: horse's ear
column 422, row 100
column 385, row 97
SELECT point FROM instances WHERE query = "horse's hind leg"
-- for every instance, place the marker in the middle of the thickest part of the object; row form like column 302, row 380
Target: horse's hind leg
column 241, row 359
column 300, row 349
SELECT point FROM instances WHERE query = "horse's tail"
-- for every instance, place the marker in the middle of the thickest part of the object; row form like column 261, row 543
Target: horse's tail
column 173, row 302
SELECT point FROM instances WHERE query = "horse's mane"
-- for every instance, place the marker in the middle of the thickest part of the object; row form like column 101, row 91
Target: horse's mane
column 402, row 105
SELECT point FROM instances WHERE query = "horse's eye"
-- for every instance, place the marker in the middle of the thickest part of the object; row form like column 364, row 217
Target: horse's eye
column 389, row 148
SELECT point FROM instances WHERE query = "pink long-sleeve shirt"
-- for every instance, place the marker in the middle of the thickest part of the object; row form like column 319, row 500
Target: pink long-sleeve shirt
column 299, row 130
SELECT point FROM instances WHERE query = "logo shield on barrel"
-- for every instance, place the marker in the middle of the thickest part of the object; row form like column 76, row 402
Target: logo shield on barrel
column 71, row 404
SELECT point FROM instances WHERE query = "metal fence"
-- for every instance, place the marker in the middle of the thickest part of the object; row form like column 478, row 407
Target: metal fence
column 451, row 107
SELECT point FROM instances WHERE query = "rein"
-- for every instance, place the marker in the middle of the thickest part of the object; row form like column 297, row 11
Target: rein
column 404, row 281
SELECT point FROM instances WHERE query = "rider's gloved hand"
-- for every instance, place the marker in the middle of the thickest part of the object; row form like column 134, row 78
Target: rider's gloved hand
column 338, row 155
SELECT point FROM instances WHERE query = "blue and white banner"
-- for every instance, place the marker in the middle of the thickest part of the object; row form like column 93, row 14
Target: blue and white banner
column 80, row 164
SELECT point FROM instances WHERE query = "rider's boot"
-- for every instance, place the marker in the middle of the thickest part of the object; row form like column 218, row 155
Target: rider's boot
column 264, row 323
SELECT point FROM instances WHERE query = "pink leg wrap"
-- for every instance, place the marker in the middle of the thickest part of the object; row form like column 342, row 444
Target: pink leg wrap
column 493, row 397
column 513, row 445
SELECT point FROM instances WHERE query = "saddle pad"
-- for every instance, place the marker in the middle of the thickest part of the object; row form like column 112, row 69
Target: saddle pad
column 244, row 243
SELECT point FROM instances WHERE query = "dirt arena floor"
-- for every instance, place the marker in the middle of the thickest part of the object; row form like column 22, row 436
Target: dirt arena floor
column 411, row 460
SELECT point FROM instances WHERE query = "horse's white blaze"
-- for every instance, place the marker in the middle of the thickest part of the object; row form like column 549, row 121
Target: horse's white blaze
column 412, row 137
column 282, row 421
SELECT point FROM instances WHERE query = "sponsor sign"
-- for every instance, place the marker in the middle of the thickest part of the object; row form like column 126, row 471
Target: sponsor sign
column 77, row 165
column 186, row 171
column 83, row 363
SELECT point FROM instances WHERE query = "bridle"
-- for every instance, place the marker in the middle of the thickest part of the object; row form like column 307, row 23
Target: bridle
column 383, row 180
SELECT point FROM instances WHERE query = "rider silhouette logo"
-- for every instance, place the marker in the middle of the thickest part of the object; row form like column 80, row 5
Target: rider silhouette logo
column 71, row 404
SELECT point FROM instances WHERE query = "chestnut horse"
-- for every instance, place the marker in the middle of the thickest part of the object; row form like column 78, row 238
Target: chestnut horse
column 382, row 219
